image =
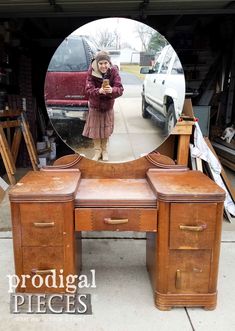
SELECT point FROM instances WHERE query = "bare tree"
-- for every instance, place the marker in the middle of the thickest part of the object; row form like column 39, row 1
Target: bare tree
column 106, row 39
column 117, row 39
column 145, row 33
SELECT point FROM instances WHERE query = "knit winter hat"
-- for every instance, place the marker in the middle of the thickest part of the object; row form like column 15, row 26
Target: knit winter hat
column 101, row 56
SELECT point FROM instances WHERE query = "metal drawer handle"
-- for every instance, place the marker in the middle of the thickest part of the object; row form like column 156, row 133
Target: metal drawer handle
column 115, row 221
column 43, row 271
column 43, row 224
column 195, row 228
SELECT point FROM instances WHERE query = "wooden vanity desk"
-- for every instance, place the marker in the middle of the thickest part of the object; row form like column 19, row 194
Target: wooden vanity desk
column 180, row 211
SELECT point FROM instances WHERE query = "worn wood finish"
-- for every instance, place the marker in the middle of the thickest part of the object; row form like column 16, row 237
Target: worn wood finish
column 169, row 300
column 37, row 260
column 115, row 193
column 133, row 169
column 42, row 206
column 194, row 229
column 42, row 225
column 189, row 271
column 180, row 210
column 183, row 256
column 184, row 186
column 116, row 219
column 47, row 186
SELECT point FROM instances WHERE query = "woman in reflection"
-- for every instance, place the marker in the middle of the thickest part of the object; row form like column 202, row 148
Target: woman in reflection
column 103, row 86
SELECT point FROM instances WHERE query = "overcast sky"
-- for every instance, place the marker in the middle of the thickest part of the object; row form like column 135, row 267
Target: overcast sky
column 126, row 28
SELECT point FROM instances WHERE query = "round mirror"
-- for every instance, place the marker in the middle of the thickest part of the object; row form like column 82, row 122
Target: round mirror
column 114, row 90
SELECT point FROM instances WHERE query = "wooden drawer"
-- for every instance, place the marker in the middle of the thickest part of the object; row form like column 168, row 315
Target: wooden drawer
column 43, row 261
column 192, row 225
column 189, row 271
column 42, row 224
column 113, row 219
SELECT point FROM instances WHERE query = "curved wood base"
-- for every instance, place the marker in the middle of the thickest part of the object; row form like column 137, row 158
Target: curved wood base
column 168, row 301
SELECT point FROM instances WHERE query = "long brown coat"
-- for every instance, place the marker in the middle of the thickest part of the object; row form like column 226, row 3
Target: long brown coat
column 100, row 119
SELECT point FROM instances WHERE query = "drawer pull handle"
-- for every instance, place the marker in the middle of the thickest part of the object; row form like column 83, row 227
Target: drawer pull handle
column 43, row 224
column 178, row 279
column 115, row 221
column 194, row 228
column 43, row 271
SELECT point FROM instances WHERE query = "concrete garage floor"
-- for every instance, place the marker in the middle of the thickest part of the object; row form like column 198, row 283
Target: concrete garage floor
column 122, row 299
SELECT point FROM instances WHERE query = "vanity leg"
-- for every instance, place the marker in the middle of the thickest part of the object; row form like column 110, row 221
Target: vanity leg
column 78, row 252
column 151, row 257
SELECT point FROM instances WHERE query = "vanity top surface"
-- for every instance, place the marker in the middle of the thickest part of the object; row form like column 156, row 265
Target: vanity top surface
column 114, row 193
column 184, row 185
column 46, row 186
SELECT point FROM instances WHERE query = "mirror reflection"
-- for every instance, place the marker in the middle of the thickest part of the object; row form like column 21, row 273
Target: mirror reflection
column 114, row 90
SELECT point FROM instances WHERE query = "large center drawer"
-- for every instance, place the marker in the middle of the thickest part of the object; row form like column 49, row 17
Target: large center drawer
column 114, row 219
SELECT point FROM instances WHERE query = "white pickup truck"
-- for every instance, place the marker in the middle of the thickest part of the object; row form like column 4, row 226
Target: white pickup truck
column 164, row 89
